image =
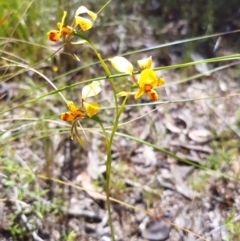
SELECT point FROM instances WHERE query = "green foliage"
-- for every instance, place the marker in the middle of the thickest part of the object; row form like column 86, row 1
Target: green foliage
column 215, row 161
column 232, row 226
column 199, row 182
column 71, row 236
column 25, row 185
column 237, row 117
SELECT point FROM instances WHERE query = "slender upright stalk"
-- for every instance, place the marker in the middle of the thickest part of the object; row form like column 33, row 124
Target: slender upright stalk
column 107, row 71
column 108, row 140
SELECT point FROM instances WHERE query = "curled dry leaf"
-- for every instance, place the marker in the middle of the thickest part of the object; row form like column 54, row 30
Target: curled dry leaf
column 171, row 126
column 200, row 136
column 178, row 121
column 154, row 229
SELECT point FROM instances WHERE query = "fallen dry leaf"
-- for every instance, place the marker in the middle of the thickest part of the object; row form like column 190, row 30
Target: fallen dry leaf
column 86, row 182
column 200, row 136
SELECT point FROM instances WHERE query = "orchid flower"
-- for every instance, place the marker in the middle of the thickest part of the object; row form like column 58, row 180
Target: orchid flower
column 147, row 79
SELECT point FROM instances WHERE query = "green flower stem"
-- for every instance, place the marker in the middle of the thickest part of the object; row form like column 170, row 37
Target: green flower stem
column 114, row 129
column 109, row 161
column 108, row 140
column 106, row 69
column 108, row 169
column 109, row 156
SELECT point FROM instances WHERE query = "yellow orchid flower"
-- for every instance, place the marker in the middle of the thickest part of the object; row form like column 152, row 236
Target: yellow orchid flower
column 91, row 90
column 82, row 17
column 55, row 35
column 147, row 80
column 73, row 114
column 90, row 109
column 83, row 22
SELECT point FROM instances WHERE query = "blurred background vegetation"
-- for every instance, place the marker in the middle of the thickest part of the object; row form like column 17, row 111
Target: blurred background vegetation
column 169, row 20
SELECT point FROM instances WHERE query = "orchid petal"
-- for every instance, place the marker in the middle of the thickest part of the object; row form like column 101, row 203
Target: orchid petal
column 91, row 108
column 145, row 63
column 148, row 76
column 84, row 23
column 90, row 90
column 122, row 65
column 67, row 116
column 71, row 106
column 152, row 95
column 54, row 35
column 82, row 10
column 139, row 93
